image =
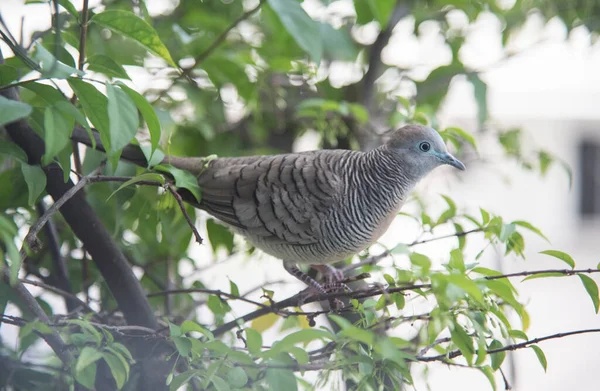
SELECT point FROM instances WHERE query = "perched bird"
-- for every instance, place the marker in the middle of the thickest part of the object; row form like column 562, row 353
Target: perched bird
column 316, row 207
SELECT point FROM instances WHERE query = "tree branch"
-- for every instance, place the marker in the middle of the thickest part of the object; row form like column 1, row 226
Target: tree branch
column 53, row 339
column 296, row 300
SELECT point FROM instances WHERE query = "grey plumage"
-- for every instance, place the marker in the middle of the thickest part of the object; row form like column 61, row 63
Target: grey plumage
column 316, row 207
column 321, row 206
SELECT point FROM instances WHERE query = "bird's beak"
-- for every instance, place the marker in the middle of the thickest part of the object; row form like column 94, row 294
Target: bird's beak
column 447, row 158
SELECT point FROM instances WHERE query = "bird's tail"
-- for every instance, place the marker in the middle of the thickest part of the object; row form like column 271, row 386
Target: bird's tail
column 133, row 153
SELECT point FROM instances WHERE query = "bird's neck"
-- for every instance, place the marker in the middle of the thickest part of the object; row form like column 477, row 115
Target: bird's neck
column 388, row 172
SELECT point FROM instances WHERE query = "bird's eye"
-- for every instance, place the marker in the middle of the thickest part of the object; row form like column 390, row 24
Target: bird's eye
column 425, row 146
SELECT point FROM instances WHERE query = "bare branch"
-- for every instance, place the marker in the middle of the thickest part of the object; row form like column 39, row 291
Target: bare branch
column 179, row 200
column 60, row 292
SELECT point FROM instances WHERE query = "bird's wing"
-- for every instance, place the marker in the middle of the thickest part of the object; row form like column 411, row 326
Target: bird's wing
column 280, row 198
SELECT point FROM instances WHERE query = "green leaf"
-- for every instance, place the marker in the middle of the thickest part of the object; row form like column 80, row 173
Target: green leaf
column 188, row 326
column 421, row 261
column 253, row 341
column 36, row 181
column 299, row 354
column 219, row 236
column 220, row 384
column 50, row 67
column 507, row 230
column 87, row 376
column 183, row 179
column 485, row 216
column 66, row 4
column 233, row 288
column 369, row 10
column 489, row 374
column 183, row 345
column 358, row 334
column 237, row 377
column 463, row 134
column 518, row 334
column 57, row 132
column 530, row 227
column 545, row 160
column 118, row 368
column 456, row 260
column 13, row 150
column 148, row 114
column 301, row 27
column 123, row 118
column 301, row 336
column 107, row 66
column 67, row 109
column 130, row 25
column 480, row 93
column 544, row 275
column 337, row 44
column 497, row 358
column 592, row 289
column 281, row 379
column 153, row 158
column 8, row 74
column 566, row 258
column 181, row 379
column 540, row 356
column 12, row 110
column 464, row 343
column 95, row 106
column 467, row 285
column 87, row 357
column 217, row 305
column 148, row 176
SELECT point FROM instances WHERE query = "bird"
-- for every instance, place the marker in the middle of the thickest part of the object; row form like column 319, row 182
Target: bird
column 316, row 207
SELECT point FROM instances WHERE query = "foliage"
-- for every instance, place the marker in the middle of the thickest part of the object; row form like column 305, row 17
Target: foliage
column 229, row 79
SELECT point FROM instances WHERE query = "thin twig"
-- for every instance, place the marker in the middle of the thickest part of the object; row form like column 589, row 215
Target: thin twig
column 379, row 257
column 59, row 292
column 179, row 200
column 31, row 237
column 83, row 25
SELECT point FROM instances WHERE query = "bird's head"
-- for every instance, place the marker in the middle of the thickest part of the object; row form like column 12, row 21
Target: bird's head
column 421, row 148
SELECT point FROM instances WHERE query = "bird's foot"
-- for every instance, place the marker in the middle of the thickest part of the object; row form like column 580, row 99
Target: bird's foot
column 317, row 289
column 330, row 273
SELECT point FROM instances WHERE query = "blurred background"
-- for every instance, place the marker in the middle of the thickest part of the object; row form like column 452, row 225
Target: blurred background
column 489, row 68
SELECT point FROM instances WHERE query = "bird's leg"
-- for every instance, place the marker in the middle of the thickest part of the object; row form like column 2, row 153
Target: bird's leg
column 312, row 284
column 305, row 278
column 333, row 276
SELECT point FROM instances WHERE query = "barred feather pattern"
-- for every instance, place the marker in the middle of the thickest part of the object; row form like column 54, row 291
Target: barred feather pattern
column 315, row 207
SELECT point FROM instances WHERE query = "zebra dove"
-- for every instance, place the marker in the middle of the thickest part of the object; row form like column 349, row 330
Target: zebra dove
column 317, row 207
